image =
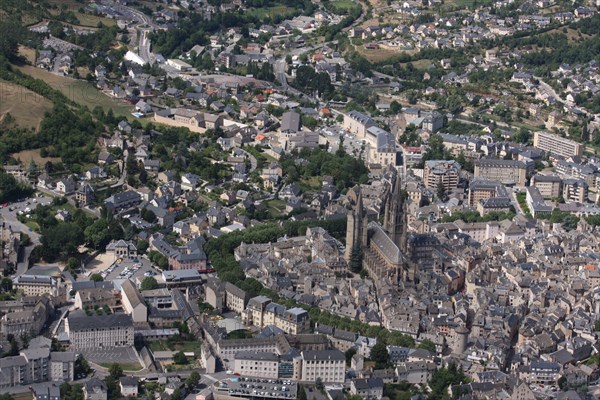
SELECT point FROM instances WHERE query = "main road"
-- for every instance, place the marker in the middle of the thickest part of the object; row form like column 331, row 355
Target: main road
column 9, row 218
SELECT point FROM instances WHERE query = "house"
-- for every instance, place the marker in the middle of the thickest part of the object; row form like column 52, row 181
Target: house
column 46, row 392
column 129, row 386
column 63, row 215
column 105, row 158
column 290, row 122
column 367, row 388
column 65, row 186
column 95, row 389
column 121, row 249
column 143, row 107
column 151, row 165
column 124, row 126
column 95, row 173
column 122, row 201
column 133, row 302
column 189, row 182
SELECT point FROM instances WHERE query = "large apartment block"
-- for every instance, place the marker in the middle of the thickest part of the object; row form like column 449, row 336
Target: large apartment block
column 308, row 366
column 558, row 145
column 441, row 171
column 575, row 190
column 357, row 124
column 258, row 364
column 235, row 298
column 262, row 312
column 507, row 172
column 99, row 331
column 37, row 364
column 329, row 365
column 549, row 185
column 37, row 285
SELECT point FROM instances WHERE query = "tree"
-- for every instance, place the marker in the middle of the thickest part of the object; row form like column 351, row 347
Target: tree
column 148, row 215
column 179, row 358
column 10, row 32
column 349, row 354
column 356, row 256
column 96, row 278
column 102, row 231
column 6, row 285
column 562, row 383
column 142, row 246
column 319, row 384
column 301, row 393
column 441, row 192
column 379, row 354
column 192, row 380
column 428, row 345
column 10, row 188
column 395, row 107
column 59, row 239
column 115, row 371
column 72, row 264
column 149, row 283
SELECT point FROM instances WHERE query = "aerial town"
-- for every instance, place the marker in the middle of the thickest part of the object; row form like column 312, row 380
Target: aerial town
column 314, row 199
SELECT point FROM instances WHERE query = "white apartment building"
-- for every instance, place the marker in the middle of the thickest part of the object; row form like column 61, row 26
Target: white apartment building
column 558, row 145
column 99, row 331
column 258, row 364
column 37, row 285
column 329, row 365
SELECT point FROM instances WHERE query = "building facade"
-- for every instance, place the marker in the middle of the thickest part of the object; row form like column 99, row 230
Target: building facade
column 446, row 173
column 99, row 331
column 550, row 186
column 258, row 364
column 557, row 145
column 507, row 172
column 329, row 365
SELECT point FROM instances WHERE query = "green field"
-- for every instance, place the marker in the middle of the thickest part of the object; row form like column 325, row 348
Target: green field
column 343, row 5
column 312, row 183
column 34, row 226
column 22, row 396
column 271, row 12
column 93, row 20
column 188, row 346
column 126, row 366
column 466, row 3
column 276, row 208
column 81, row 92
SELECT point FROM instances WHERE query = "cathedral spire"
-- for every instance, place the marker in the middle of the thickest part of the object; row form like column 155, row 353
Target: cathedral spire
column 395, row 220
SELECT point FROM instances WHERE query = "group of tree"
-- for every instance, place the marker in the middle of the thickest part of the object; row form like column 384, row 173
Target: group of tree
column 312, row 82
column 149, row 283
column 115, row 371
column 262, row 72
column 347, row 169
column 443, row 378
column 474, row 216
column 11, row 189
column 158, row 259
column 71, row 392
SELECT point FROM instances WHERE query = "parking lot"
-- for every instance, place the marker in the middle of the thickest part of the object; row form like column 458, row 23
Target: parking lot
column 130, row 268
column 125, row 355
column 332, row 135
column 273, row 388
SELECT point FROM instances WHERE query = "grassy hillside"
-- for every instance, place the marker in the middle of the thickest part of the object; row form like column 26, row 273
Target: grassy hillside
column 81, row 92
column 21, row 107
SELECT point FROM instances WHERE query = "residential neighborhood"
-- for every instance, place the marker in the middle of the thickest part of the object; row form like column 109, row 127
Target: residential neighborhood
column 300, row 200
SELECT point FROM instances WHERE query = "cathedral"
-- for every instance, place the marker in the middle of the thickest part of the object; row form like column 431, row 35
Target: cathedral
column 388, row 250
